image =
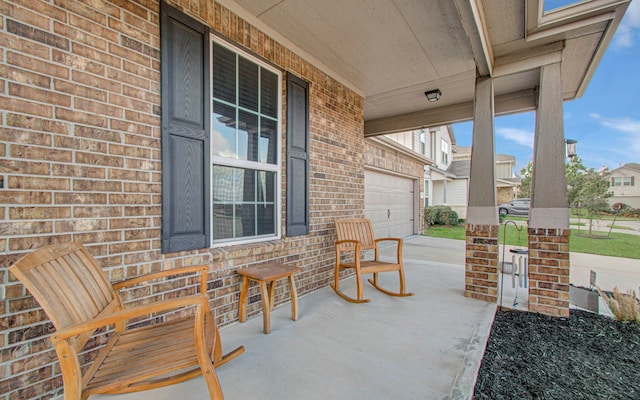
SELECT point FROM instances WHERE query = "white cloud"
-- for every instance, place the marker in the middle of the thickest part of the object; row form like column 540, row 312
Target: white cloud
column 628, row 126
column 518, row 136
column 628, row 29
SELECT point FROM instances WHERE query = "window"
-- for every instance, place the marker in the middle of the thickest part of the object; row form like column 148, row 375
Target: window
column 220, row 142
column 551, row 5
column 423, row 142
column 444, row 150
column 245, row 147
column 426, row 193
column 623, row 181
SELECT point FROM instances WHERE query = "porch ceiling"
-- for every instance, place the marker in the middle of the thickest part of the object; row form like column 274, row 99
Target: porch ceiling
column 392, row 51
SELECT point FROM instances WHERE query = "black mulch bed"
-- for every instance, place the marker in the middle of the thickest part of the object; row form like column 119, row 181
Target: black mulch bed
column 585, row 356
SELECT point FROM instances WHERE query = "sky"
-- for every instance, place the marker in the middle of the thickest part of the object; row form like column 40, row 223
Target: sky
column 605, row 120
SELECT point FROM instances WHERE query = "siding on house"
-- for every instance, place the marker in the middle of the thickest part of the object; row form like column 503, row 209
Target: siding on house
column 457, row 196
column 80, row 147
column 630, row 193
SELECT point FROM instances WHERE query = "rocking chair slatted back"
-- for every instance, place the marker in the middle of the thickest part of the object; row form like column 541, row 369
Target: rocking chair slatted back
column 68, row 291
column 78, row 299
column 359, row 229
column 355, row 235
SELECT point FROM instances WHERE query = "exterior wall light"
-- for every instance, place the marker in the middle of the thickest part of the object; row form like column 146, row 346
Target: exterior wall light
column 433, row 95
column 571, row 147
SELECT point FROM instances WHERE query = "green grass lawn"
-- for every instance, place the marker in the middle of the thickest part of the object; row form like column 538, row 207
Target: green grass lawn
column 619, row 244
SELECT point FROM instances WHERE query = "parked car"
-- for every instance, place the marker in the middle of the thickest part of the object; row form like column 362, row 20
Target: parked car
column 515, row 207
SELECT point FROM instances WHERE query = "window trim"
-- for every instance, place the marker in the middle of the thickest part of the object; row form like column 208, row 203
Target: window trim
column 254, row 165
column 444, row 151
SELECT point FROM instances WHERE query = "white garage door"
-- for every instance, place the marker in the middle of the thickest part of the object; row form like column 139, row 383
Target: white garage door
column 389, row 204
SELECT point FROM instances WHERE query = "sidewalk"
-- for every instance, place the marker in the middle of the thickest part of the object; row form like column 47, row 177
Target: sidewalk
column 611, row 272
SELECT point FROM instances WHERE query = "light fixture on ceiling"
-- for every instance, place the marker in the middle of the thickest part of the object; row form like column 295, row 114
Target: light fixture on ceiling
column 433, row 95
column 571, row 147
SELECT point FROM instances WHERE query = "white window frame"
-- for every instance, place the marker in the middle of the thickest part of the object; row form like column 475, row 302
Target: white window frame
column 236, row 163
column 620, row 181
column 444, row 151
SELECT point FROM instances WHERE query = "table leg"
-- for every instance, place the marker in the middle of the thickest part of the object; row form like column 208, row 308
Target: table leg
column 242, row 315
column 266, row 307
column 294, row 298
column 272, row 294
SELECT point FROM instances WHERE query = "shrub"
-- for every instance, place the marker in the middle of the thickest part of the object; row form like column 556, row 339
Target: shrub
column 440, row 215
column 625, row 210
column 625, row 307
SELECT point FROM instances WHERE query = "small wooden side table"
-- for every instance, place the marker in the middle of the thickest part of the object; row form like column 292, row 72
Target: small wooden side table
column 268, row 274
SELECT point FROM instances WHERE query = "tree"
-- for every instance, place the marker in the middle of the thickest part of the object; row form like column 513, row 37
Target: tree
column 574, row 169
column 587, row 188
column 525, row 184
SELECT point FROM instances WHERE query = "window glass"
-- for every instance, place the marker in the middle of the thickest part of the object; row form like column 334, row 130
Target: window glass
column 269, row 93
column 248, row 84
column 224, row 75
column 550, row 5
column 247, row 136
column 268, row 141
column 245, row 171
column 445, row 152
column 224, row 130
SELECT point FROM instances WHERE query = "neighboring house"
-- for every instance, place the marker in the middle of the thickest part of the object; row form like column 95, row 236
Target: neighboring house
column 436, row 145
column 393, row 181
column 625, row 185
column 447, row 179
column 506, row 181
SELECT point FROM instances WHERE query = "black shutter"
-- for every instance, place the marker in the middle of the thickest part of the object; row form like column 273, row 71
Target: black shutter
column 297, row 156
column 185, row 131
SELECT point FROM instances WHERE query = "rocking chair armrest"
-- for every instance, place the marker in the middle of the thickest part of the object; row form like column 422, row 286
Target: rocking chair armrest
column 390, row 239
column 355, row 246
column 203, row 269
column 200, row 301
column 399, row 240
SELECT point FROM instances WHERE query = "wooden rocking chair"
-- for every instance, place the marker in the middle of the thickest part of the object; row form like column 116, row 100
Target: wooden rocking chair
column 354, row 236
column 73, row 291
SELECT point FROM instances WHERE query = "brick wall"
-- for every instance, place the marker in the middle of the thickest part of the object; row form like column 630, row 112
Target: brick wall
column 80, row 151
column 549, row 271
column 481, row 262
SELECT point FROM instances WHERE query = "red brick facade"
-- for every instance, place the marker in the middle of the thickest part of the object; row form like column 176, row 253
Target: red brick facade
column 481, row 262
column 549, row 271
column 80, row 147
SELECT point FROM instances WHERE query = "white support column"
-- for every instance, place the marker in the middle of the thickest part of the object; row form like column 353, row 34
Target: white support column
column 549, row 182
column 482, row 208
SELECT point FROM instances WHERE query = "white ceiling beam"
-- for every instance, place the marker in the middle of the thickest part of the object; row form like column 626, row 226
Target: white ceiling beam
column 528, row 60
column 474, row 24
column 508, row 103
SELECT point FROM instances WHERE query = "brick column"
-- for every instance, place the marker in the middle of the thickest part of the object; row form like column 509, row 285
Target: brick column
column 481, row 262
column 549, row 271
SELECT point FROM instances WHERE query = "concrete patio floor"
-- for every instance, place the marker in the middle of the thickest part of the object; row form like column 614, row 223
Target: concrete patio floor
column 428, row 346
